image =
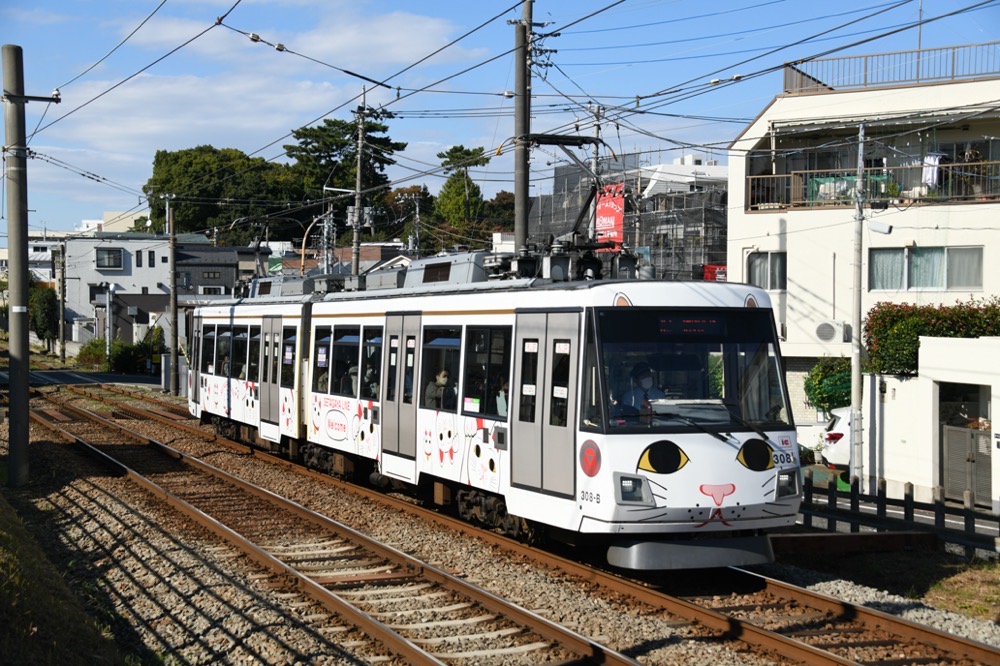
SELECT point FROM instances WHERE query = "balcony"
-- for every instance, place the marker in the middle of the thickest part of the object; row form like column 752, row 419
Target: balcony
column 921, row 184
column 901, row 68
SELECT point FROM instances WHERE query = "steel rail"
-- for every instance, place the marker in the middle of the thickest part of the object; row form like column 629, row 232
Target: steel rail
column 591, row 651
column 745, row 631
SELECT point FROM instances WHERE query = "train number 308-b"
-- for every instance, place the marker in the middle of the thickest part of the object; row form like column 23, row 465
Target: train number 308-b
column 590, row 497
column 783, row 458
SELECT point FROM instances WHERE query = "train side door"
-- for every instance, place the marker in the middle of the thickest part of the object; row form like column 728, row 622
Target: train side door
column 543, row 416
column 399, row 395
column 270, row 367
column 194, row 367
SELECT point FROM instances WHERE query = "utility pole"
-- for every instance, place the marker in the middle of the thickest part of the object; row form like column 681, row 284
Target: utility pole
column 16, row 186
column 61, row 267
column 175, row 341
column 415, row 198
column 592, row 227
column 356, row 221
column 857, row 432
column 522, row 123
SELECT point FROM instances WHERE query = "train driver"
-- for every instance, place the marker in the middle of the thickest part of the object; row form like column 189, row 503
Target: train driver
column 643, row 389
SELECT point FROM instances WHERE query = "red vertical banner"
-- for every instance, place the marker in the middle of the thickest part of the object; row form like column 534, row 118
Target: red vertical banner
column 610, row 215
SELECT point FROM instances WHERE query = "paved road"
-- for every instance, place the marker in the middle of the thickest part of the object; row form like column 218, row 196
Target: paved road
column 46, row 377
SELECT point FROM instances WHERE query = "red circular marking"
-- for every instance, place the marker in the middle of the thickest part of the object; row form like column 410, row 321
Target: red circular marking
column 590, row 458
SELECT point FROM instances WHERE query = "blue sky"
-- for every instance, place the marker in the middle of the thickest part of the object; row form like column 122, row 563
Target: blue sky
column 137, row 76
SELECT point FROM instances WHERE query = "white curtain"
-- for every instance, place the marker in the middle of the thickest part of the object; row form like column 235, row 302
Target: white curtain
column 965, row 267
column 926, row 267
column 885, row 268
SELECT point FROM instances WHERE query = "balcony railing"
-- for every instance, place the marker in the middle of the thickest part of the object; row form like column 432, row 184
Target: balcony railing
column 920, row 183
column 950, row 63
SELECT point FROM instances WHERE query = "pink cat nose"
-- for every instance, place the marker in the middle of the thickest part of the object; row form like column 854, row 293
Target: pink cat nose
column 718, row 492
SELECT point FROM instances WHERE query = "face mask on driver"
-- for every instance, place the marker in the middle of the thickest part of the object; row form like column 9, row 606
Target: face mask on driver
column 646, row 383
column 442, row 381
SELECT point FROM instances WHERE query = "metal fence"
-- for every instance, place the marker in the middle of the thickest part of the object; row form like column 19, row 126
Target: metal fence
column 951, row 63
column 961, row 524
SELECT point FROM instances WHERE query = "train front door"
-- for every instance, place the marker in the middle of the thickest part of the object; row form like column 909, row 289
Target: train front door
column 543, row 417
column 399, row 395
column 270, row 368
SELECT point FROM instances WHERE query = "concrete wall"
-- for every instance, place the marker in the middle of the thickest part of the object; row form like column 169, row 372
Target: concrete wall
column 902, row 416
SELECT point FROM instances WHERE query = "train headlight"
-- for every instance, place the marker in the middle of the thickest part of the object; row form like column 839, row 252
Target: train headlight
column 788, row 483
column 632, row 490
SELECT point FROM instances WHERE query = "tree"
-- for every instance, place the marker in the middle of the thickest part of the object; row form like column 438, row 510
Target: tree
column 43, row 313
column 828, row 384
column 399, row 208
column 213, row 188
column 326, row 156
column 457, row 160
column 458, row 205
column 498, row 212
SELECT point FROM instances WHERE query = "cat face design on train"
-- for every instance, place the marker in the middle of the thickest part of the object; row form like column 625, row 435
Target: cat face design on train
column 715, row 483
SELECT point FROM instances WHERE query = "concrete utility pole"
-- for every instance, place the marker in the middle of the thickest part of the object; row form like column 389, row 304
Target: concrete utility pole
column 356, row 222
column 16, row 186
column 175, row 336
column 522, row 123
column 592, row 227
column 857, row 432
column 61, row 267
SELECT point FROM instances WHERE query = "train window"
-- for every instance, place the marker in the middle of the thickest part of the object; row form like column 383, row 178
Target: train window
column 238, row 356
column 321, row 360
column 288, row 357
column 440, row 360
column 275, row 357
column 346, row 346
column 529, row 381
column 223, row 342
column 208, row 349
column 487, row 371
column 591, row 403
column 390, row 371
column 410, row 363
column 371, row 362
column 559, row 406
column 253, row 363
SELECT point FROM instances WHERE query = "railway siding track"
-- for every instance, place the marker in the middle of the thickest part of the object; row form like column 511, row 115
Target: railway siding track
column 418, row 612
column 777, row 618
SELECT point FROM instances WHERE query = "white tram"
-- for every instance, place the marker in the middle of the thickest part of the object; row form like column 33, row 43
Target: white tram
column 649, row 418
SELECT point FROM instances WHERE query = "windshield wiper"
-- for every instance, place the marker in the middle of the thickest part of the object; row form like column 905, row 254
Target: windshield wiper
column 693, row 424
column 746, row 424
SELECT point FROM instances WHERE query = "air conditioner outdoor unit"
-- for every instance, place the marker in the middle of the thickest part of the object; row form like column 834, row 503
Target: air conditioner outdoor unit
column 831, row 331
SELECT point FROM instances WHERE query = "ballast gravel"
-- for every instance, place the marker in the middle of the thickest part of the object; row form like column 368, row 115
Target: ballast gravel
column 176, row 593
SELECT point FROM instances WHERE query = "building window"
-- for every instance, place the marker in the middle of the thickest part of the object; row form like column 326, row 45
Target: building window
column 109, row 257
column 212, row 290
column 164, row 259
column 211, row 275
column 138, row 259
column 152, row 259
column 768, row 270
column 939, row 268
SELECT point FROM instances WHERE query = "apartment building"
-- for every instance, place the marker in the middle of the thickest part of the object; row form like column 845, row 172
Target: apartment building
column 904, row 146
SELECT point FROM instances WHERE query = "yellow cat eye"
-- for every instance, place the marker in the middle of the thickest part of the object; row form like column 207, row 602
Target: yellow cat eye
column 756, row 455
column 663, row 457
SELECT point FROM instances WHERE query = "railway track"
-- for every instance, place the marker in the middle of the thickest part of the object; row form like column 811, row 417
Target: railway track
column 767, row 615
column 420, row 613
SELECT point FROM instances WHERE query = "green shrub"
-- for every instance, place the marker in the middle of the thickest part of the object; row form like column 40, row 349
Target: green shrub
column 892, row 330
column 92, row 354
column 828, row 384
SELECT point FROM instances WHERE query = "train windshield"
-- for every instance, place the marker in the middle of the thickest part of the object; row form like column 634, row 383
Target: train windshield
column 684, row 369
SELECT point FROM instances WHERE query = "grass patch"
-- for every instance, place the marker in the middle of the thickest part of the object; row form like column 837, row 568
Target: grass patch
column 934, row 577
column 43, row 621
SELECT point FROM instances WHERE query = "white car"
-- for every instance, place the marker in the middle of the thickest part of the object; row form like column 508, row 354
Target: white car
column 835, row 445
